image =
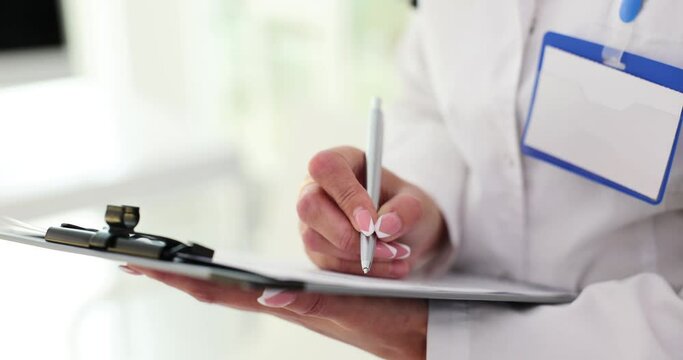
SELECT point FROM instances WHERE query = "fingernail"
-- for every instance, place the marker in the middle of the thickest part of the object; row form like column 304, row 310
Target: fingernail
column 128, row 270
column 364, row 221
column 276, row 298
column 385, row 251
column 403, row 251
column 388, row 225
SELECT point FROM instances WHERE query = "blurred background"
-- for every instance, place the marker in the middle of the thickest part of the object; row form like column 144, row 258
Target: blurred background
column 204, row 114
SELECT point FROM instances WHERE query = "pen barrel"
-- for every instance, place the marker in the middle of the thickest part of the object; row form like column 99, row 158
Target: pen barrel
column 373, row 157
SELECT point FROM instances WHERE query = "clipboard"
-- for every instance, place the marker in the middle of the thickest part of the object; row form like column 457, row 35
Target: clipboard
column 248, row 271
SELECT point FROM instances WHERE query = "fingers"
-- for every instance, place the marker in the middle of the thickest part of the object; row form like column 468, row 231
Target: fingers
column 291, row 305
column 223, row 294
column 337, row 171
column 129, row 270
column 362, row 320
column 327, row 230
column 203, row 290
column 349, row 310
column 318, row 211
column 315, row 242
column 394, row 269
column 276, row 301
column 374, row 324
column 398, row 216
column 335, row 206
column 306, row 304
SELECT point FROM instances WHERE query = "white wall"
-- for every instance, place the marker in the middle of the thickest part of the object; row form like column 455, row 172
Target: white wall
column 227, row 99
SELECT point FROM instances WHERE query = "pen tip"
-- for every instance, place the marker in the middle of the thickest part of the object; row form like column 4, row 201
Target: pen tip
column 366, row 270
column 376, row 102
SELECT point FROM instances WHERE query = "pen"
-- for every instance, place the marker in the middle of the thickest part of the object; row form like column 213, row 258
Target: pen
column 373, row 180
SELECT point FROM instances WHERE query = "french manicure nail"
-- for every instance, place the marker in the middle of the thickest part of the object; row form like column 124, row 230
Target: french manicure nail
column 276, row 298
column 388, row 225
column 364, row 221
column 403, row 251
column 385, row 251
column 128, row 270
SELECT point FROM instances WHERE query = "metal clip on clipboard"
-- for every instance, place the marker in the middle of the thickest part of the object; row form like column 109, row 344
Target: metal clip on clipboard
column 120, row 237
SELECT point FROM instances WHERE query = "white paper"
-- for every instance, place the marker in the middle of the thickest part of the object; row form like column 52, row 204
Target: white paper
column 604, row 120
column 417, row 284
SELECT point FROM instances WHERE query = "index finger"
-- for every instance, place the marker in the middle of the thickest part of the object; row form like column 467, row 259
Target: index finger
column 339, row 172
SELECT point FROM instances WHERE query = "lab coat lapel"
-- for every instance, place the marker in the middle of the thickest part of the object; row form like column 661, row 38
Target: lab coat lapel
column 476, row 78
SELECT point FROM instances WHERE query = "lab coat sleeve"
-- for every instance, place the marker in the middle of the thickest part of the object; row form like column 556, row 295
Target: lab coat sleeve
column 637, row 318
column 418, row 147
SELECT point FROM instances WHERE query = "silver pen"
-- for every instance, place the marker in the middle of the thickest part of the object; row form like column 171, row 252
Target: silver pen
column 373, row 180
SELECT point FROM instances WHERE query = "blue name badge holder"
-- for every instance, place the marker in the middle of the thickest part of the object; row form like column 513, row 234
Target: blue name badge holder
column 666, row 79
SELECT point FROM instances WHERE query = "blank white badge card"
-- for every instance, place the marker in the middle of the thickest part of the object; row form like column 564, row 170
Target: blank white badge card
column 603, row 123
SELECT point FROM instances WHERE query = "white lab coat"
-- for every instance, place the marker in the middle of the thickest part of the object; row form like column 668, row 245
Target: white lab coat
column 468, row 69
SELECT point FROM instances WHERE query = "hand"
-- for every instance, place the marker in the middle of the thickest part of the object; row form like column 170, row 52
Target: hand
column 389, row 328
column 334, row 207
